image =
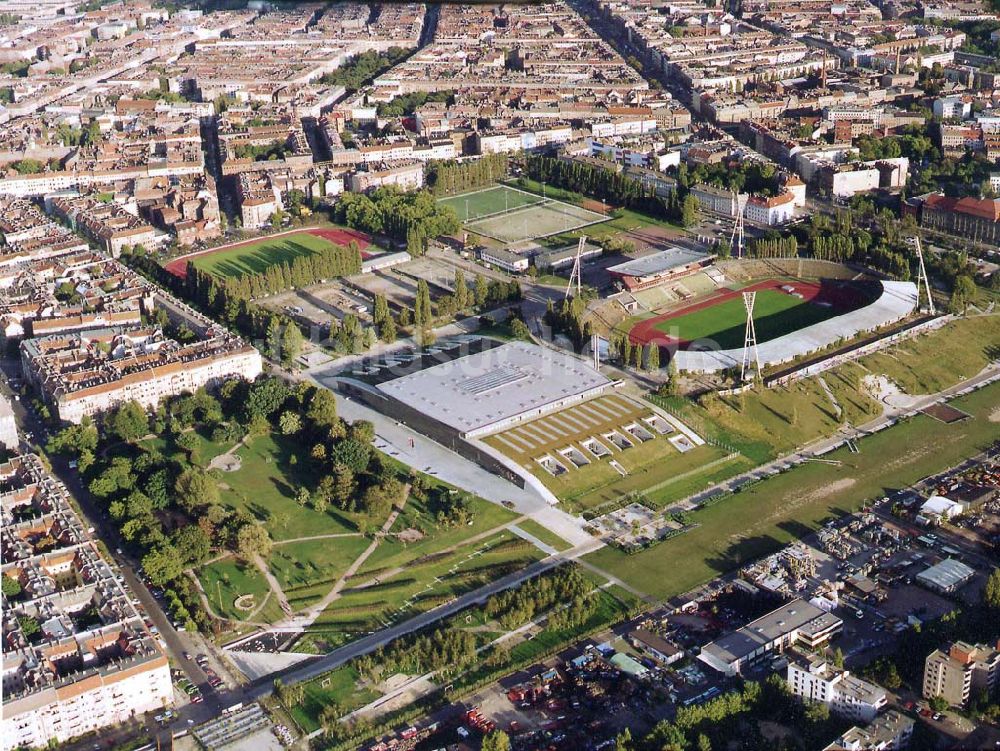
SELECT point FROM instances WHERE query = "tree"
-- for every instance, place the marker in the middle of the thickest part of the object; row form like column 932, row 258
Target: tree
column 192, row 544
column 689, row 211
column 838, row 658
column 963, row 293
column 322, row 410
column 461, row 290
column 29, row 625
column 162, row 565
column 127, row 423
column 289, row 423
column 991, row 593
column 498, row 740
column 387, row 330
column 352, row 454
column 519, row 329
column 265, row 397
column 10, row 586
column 938, row 703
column 652, row 356
column 252, row 539
column 195, row 488
column 422, row 311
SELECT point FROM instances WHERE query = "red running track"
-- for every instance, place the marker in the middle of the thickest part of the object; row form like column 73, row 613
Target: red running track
column 645, row 331
column 338, row 235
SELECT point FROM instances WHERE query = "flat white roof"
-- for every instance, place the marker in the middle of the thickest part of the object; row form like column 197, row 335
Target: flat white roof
column 658, row 263
column 516, row 379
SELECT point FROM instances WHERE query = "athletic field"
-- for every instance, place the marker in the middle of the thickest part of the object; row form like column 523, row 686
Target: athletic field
column 781, row 307
column 510, row 215
column 255, row 256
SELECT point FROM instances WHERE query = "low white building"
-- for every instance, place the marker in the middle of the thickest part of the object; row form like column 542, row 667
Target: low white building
column 813, row 679
column 771, row 210
column 8, row 425
column 937, row 508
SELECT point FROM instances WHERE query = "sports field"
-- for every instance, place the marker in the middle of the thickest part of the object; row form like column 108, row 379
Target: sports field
column 510, row 215
column 781, row 307
column 255, row 256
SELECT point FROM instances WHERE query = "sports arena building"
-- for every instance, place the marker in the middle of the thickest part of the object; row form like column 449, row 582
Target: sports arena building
column 479, row 390
column 657, row 268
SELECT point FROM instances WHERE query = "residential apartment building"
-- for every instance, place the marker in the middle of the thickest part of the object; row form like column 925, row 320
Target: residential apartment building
column 89, row 662
column 814, row 679
column 961, row 670
column 405, row 175
column 771, row 210
column 888, row 732
column 89, row 372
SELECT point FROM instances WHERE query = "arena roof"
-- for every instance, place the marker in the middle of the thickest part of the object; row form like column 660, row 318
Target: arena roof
column 658, row 263
column 478, row 392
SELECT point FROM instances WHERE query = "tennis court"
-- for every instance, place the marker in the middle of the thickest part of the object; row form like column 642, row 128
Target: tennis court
column 510, row 215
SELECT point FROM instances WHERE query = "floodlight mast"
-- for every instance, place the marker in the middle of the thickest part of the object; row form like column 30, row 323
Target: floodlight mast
column 922, row 280
column 751, row 358
column 575, row 273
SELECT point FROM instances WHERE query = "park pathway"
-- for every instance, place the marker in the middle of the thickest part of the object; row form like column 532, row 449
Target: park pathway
column 273, row 583
column 313, row 613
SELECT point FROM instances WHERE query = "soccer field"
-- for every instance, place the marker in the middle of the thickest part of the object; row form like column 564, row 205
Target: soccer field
column 775, row 313
column 781, row 307
column 495, row 200
column 510, row 215
column 256, row 256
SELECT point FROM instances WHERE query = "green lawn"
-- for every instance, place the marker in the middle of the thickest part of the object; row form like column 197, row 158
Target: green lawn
column 471, row 206
column 543, row 534
column 225, row 580
column 253, row 258
column 340, row 686
column 308, row 570
column 775, row 313
column 932, row 362
column 760, row 520
column 266, row 484
column 421, row 584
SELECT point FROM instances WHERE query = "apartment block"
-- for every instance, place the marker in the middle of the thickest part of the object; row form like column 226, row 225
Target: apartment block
column 89, row 372
column 813, row 679
column 961, row 670
column 77, row 657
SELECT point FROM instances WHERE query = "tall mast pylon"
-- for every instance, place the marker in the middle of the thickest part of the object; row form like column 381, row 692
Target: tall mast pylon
column 922, row 278
column 750, row 356
column 736, row 239
column 575, row 273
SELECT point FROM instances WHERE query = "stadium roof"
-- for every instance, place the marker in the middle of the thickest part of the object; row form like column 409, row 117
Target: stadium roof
column 474, row 393
column 658, row 263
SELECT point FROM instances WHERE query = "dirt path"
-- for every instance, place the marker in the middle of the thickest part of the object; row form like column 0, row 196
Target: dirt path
column 389, row 573
column 331, row 536
column 273, row 583
column 313, row 613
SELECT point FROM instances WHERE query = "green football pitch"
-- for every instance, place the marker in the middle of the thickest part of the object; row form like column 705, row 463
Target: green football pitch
column 495, row 200
column 775, row 313
column 256, row 257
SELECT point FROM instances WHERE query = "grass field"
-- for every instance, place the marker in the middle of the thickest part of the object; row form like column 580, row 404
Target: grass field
column 510, row 215
column 785, row 507
column 775, row 313
column 543, row 534
column 307, row 570
column 495, row 200
column 224, row 581
column 255, row 256
column 935, row 361
column 259, row 256
column 385, row 592
column 341, row 686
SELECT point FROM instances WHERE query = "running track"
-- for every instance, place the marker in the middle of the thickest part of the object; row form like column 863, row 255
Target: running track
column 840, row 296
column 338, row 235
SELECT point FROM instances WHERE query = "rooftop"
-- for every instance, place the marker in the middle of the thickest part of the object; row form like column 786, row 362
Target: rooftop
column 659, row 263
column 514, row 380
column 946, row 575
